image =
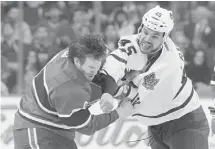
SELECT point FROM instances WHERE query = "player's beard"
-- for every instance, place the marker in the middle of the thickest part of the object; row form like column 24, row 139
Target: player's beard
column 88, row 76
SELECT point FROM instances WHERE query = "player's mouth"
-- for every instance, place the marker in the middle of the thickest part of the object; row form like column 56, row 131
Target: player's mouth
column 145, row 45
column 91, row 76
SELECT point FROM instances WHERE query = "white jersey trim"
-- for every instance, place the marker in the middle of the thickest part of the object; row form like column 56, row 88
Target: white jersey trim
column 42, row 121
column 32, row 137
column 38, row 101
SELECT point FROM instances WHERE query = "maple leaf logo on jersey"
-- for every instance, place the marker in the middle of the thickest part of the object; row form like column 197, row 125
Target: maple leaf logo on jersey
column 150, row 81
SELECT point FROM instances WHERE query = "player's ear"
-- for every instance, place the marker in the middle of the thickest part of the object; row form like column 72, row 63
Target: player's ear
column 77, row 62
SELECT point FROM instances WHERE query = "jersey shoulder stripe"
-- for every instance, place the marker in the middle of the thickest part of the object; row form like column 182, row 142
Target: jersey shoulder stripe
column 40, row 94
column 119, row 58
column 52, row 124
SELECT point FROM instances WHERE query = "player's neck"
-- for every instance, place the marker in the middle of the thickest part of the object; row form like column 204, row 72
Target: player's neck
column 151, row 55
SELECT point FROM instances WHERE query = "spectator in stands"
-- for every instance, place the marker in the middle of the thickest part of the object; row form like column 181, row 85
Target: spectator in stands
column 9, row 49
column 4, row 75
column 52, row 22
column 41, row 45
column 198, row 70
column 61, row 5
column 5, row 7
column 111, row 37
column 59, row 32
column 184, row 46
column 133, row 14
column 33, row 12
column 121, row 21
column 23, row 30
column 81, row 19
column 199, row 28
column 71, row 7
column 32, row 67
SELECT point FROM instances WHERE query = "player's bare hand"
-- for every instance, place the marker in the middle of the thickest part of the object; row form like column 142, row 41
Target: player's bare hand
column 106, row 103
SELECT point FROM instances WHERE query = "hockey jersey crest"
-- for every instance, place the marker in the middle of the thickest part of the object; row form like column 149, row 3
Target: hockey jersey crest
column 150, row 81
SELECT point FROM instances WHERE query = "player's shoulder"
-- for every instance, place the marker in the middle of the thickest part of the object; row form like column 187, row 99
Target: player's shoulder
column 61, row 70
column 170, row 45
column 69, row 72
column 167, row 57
column 128, row 39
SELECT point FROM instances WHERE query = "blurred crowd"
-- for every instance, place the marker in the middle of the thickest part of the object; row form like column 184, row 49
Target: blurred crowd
column 49, row 27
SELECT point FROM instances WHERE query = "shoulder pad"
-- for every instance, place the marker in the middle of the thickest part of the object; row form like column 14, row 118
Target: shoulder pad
column 127, row 39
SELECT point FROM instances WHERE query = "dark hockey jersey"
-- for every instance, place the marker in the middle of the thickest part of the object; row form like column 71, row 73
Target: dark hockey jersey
column 59, row 99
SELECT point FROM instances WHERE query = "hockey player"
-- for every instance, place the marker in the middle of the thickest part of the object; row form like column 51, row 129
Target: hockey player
column 148, row 70
column 58, row 103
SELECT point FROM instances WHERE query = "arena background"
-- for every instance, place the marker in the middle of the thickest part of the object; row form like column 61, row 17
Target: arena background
column 32, row 32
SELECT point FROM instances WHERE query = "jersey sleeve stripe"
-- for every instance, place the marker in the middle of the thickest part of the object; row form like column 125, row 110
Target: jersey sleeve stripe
column 50, row 124
column 41, row 95
column 184, row 81
column 119, row 58
column 122, row 50
column 77, row 119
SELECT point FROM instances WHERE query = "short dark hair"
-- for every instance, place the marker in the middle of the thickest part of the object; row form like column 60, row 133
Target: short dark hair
column 88, row 45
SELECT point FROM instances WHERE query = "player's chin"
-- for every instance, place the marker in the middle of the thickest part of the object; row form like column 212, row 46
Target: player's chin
column 90, row 77
column 146, row 51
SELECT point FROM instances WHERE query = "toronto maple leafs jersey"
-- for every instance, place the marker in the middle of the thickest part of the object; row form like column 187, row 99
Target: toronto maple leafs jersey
column 59, row 100
column 164, row 92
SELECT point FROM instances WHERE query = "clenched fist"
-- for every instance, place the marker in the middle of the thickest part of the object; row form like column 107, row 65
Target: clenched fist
column 125, row 109
column 106, row 103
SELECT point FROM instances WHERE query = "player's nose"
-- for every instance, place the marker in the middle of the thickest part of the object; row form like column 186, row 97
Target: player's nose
column 147, row 38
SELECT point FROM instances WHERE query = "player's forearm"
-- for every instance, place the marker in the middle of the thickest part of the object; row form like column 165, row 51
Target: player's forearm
column 99, row 122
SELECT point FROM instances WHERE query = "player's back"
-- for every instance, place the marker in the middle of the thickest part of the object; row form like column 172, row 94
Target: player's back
column 38, row 106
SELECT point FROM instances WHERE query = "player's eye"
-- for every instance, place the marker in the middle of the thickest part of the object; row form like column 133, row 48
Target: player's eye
column 145, row 32
column 155, row 37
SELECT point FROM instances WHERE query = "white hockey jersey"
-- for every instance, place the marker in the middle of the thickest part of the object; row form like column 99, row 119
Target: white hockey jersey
column 164, row 91
column 126, row 57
